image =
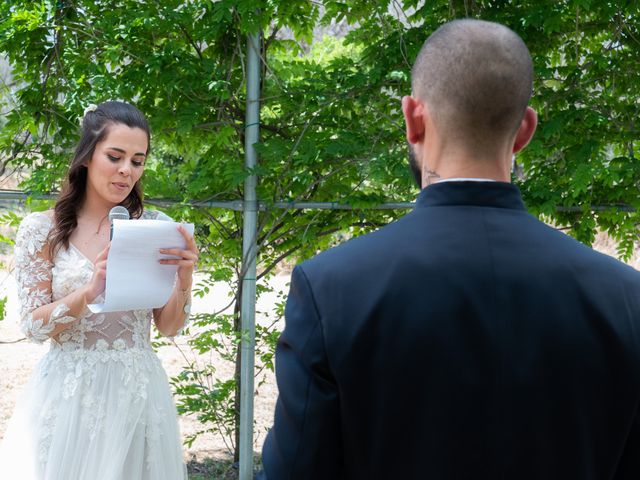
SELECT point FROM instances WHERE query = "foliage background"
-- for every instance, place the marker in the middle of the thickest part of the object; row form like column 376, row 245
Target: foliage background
column 331, row 124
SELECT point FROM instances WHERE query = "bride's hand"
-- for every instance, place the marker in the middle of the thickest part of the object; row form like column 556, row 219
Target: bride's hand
column 187, row 261
column 97, row 283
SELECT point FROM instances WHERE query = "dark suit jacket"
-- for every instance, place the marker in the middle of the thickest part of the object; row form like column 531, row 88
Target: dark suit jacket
column 467, row 340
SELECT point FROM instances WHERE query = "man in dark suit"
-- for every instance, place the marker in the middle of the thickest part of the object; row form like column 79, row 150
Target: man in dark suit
column 467, row 340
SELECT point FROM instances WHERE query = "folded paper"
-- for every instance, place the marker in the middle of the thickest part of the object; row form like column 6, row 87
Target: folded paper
column 135, row 278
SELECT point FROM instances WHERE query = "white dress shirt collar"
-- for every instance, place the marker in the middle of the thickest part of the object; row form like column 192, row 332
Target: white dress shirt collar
column 462, row 179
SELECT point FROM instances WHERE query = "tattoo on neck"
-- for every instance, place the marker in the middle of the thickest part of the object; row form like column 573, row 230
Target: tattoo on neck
column 431, row 175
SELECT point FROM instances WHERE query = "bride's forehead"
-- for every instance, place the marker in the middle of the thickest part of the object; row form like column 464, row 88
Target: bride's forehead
column 125, row 138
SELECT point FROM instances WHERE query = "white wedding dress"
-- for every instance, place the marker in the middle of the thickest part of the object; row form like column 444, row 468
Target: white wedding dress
column 98, row 406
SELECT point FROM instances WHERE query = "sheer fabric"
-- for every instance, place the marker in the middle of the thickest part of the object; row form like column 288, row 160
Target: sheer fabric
column 98, row 405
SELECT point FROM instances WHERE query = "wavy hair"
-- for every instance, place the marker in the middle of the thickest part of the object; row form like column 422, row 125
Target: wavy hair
column 95, row 127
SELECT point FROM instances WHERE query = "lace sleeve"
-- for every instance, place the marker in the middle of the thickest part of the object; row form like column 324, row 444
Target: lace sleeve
column 33, row 278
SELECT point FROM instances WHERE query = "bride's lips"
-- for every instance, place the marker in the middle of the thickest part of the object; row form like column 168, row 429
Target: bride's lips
column 121, row 186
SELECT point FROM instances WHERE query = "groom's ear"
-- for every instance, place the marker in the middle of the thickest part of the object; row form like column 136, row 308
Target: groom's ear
column 413, row 111
column 526, row 130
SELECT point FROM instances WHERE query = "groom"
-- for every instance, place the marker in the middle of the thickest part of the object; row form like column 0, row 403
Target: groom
column 467, row 340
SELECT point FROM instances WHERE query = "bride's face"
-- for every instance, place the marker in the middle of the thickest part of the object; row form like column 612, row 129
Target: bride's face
column 117, row 163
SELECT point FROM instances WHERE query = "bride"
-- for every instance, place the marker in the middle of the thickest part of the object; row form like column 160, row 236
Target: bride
column 98, row 405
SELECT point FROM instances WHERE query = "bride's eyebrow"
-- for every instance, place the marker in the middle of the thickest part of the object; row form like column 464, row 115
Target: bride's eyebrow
column 139, row 154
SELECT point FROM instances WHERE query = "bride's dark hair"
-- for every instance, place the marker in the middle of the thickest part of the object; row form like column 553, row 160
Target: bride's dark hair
column 95, row 127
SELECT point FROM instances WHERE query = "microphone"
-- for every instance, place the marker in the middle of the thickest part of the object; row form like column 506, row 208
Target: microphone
column 117, row 213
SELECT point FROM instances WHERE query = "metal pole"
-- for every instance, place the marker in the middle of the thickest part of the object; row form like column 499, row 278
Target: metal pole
column 9, row 196
column 249, row 252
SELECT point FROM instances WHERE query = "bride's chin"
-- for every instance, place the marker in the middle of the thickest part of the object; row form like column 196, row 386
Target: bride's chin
column 118, row 195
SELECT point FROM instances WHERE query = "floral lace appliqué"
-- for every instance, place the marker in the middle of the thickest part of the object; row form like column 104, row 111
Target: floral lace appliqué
column 38, row 331
column 41, row 281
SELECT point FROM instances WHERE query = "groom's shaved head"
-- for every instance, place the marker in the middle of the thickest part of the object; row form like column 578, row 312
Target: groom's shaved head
column 476, row 79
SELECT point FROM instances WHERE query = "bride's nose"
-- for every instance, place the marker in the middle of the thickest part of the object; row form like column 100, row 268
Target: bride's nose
column 125, row 169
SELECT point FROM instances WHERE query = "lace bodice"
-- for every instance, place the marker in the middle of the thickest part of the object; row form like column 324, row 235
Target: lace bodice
column 41, row 281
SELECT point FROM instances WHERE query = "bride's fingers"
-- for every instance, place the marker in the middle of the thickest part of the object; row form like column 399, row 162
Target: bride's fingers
column 180, row 263
column 187, row 254
column 191, row 243
column 104, row 253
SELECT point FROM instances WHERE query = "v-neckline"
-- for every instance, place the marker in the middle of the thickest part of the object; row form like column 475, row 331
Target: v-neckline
column 81, row 254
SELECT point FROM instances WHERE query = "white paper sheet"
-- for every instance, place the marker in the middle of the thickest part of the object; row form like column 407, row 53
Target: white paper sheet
column 135, row 277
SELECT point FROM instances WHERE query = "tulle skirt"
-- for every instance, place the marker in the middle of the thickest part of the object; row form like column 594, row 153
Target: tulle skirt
column 94, row 415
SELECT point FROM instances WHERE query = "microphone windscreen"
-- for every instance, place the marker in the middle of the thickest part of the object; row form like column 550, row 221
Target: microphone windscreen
column 118, row 213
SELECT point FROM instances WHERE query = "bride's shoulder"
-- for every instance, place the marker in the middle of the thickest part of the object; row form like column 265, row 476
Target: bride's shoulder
column 33, row 231
column 38, row 221
column 150, row 214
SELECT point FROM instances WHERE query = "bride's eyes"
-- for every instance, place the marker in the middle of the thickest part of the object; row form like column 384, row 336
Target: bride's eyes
column 136, row 163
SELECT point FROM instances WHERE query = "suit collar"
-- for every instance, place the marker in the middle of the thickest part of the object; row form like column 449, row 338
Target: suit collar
column 479, row 194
